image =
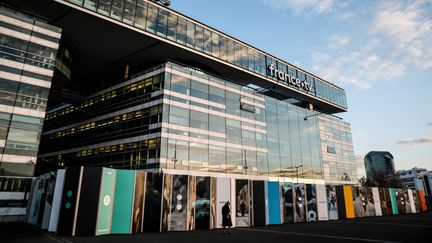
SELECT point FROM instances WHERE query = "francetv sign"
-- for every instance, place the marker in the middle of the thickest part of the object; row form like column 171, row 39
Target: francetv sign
column 286, row 78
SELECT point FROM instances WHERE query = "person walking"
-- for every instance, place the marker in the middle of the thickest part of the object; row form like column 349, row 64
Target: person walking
column 226, row 218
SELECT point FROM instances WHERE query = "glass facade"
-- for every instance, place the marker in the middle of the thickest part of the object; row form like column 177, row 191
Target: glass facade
column 27, row 55
column 379, row 164
column 177, row 117
column 177, row 28
column 337, row 150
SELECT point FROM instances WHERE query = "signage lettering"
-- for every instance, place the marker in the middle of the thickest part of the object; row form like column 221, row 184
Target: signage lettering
column 290, row 80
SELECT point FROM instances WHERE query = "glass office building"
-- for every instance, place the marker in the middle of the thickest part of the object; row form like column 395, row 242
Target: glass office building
column 379, row 164
column 177, row 117
column 28, row 49
column 178, row 95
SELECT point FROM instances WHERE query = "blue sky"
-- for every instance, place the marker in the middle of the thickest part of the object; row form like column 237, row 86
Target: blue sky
column 380, row 52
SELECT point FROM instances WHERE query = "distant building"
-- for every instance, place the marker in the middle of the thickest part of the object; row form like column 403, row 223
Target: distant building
column 361, row 171
column 417, row 179
column 379, row 166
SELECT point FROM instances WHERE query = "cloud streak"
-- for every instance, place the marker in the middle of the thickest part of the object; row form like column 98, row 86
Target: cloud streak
column 413, row 142
column 429, row 124
column 300, row 6
column 395, row 39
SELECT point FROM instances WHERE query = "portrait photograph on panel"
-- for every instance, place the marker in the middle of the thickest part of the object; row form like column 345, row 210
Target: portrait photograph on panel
column 242, row 203
column 299, row 203
column 383, row 201
column 359, row 202
column 370, row 204
column 178, row 209
column 202, row 203
column 213, row 202
column 153, row 202
column 400, row 201
column 138, row 202
column 332, row 202
column 416, row 201
column 191, row 202
column 166, row 201
column 407, row 201
column 287, row 202
column 311, row 203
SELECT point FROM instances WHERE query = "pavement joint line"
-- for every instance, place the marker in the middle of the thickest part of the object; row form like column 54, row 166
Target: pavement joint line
column 49, row 236
column 410, row 225
column 57, row 239
column 320, row 235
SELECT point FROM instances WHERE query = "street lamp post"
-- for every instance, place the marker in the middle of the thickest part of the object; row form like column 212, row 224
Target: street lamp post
column 245, row 167
column 296, row 167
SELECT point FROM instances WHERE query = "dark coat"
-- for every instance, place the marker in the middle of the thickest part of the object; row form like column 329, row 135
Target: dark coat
column 226, row 216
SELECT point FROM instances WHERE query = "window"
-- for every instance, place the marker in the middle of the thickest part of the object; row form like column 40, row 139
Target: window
column 215, row 44
column 199, row 90
column 141, row 14
column 331, row 150
column 129, row 11
column 180, row 84
column 90, row 4
column 179, row 116
column 190, row 34
column 207, row 41
column 151, row 18
column 104, row 7
column 238, row 54
column 199, row 38
column 117, row 9
column 162, row 21
column 217, row 124
column 199, row 120
column 181, row 31
column 223, row 48
column 172, row 26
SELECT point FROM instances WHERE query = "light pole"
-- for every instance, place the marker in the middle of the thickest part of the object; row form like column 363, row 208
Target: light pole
column 296, row 167
column 175, row 160
column 245, row 167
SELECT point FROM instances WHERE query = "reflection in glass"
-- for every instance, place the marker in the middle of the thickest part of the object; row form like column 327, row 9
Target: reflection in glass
column 172, row 26
column 162, row 22
column 141, row 14
column 151, row 18
column 90, row 4
column 117, row 9
column 129, row 12
column 190, row 34
column 104, row 7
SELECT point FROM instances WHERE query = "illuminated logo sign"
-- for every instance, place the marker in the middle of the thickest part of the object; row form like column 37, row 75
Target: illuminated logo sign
column 290, row 80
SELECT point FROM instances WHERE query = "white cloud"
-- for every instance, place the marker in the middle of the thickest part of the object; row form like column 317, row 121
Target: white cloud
column 413, row 142
column 346, row 16
column 397, row 38
column 408, row 27
column 341, row 39
column 316, row 6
